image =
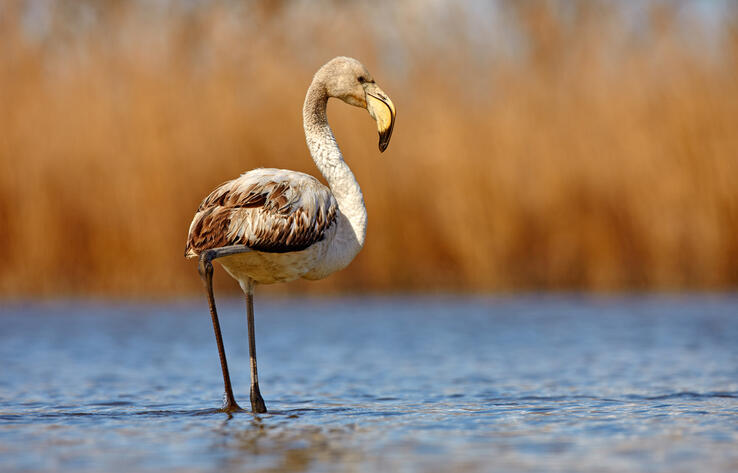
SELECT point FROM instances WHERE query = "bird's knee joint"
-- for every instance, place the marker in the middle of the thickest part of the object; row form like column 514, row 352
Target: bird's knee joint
column 205, row 268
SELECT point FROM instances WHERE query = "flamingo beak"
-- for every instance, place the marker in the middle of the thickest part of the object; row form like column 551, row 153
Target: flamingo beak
column 382, row 110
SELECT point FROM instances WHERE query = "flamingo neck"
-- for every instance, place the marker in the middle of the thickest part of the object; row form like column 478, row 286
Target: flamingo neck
column 329, row 160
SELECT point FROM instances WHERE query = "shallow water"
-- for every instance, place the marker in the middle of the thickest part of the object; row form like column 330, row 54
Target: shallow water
column 375, row 384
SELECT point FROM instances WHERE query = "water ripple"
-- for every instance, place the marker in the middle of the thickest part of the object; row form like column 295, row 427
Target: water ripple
column 391, row 385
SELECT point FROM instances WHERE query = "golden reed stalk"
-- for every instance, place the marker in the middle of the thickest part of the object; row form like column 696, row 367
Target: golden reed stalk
column 569, row 150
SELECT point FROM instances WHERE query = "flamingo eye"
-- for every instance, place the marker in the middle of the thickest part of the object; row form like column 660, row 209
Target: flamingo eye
column 362, row 79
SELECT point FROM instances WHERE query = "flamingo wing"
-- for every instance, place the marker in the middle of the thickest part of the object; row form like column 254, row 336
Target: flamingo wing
column 269, row 210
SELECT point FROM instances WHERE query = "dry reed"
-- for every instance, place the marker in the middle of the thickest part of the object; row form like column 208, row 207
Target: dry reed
column 549, row 145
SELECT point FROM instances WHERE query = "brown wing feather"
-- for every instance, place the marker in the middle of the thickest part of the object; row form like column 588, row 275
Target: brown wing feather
column 267, row 210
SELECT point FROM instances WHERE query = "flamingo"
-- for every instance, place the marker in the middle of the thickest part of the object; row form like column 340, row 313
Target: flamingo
column 276, row 225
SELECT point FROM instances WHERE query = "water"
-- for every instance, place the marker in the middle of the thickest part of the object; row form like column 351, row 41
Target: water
column 375, row 384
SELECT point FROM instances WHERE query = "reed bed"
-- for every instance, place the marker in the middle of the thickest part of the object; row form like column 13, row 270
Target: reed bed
column 538, row 145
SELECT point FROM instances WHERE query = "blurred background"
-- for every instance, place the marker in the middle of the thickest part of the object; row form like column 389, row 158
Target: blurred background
column 539, row 145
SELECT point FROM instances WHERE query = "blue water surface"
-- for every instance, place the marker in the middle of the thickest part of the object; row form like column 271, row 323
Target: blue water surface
column 390, row 384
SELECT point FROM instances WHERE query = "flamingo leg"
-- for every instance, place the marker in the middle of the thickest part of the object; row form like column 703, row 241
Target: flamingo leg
column 205, row 268
column 257, row 402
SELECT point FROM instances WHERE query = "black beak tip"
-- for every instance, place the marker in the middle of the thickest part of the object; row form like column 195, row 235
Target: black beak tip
column 384, row 139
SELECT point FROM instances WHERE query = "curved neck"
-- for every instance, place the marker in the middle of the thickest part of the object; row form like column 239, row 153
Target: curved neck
column 328, row 159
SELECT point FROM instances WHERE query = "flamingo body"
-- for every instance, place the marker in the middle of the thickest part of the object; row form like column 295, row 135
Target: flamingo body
column 276, row 225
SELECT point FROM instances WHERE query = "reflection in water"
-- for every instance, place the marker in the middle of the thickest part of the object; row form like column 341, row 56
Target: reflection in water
column 376, row 385
column 281, row 448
